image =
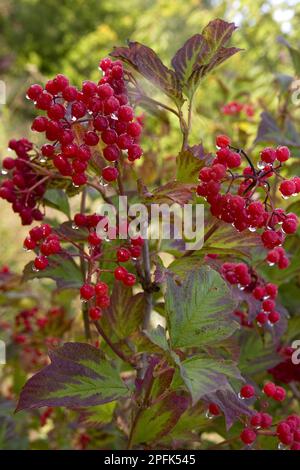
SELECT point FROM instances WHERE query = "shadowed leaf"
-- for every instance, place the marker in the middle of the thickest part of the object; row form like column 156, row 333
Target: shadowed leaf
column 78, row 376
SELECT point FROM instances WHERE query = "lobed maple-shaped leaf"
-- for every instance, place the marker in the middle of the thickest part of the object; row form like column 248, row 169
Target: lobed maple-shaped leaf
column 169, row 193
column 202, row 53
column 230, row 404
column 145, row 61
column 202, row 375
column 78, row 376
column 199, row 310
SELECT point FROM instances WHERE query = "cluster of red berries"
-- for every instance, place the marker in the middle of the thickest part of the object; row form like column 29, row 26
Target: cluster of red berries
column 266, row 294
column 102, row 113
column 235, row 107
column 286, row 371
column 23, row 188
column 236, row 273
column 261, row 421
column 243, row 210
column 48, row 243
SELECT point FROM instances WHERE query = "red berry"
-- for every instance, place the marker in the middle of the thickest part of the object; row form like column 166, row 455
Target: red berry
column 273, row 317
column 120, row 273
column 70, row 93
column 261, row 318
column 222, row 141
column 95, row 313
column 56, row 112
column 29, row 244
column 268, row 305
column 87, row 291
column 256, row 420
column 268, row 155
column 287, row 188
column 266, row 420
column 111, row 153
column 34, row 91
column 271, row 290
column 289, row 225
column 123, row 255
column 101, row 288
column 103, row 301
column 214, row 409
column 282, row 154
column 91, row 138
column 125, row 113
column 41, row 262
column 129, row 280
column 269, row 389
column 93, row 239
column 110, row 173
column 248, row 436
column 279, row 394
column 134, row 152
column 247, row 391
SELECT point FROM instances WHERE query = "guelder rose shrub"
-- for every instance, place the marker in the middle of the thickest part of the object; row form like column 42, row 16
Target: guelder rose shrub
column 157, row 386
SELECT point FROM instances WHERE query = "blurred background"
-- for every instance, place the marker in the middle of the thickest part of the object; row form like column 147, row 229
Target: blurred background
column 40, row 38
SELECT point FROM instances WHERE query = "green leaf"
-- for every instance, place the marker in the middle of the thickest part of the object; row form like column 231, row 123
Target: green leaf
column 145, row 61
column 199, row 311
column 169, row 193
column 78, row 375
column 158, row 336
column 203, row 375
column 189, row 162
column 157, row 420
column 99, row 414
column 62, row 269
column 126, row 312
column 57, row 199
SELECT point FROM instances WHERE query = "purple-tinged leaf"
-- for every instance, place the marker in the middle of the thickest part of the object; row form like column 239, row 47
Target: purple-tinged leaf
column 202, row 375
column 232, row 406
column 78, row 376
column 169, row 193
column 145, row 61
column 269, row 131
column 188, row 55
column 199, row 310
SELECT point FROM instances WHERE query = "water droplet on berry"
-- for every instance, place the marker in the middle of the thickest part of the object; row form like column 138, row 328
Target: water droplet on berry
column 261, row 165
column 102, row 182
column 107, row 239
column 240, row 396
column 271, row 325
column 74, row 226
column 36, row 270
column 241, row 287
column 26, row 249
column 84, row 301
column 271, row 264
column 260, row 325
column 208, row 415
column 4, row 172
column 42, row 159
column 252, row 229
column 75, row 185
column 27, row 97
column 73, row 118
column 281, row 446
column 285, row 197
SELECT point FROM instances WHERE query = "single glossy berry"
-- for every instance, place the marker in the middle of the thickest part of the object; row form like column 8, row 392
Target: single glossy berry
column 103, row 301
column 29, row 243
column 287, row 188
column 125, row 113
column 91, row 138
column 274, row 317
column 135, row 251
column 268, row 155
column 134, row 152
column 261, row 318
column 269, row 389
column 256, row 420
column 41, row 262
column 279, row 394
column 87, row 291
column 248, row 436
column 34, row 91
column 266, row 420
column 105, row 91
column 56, row 112
column 101, row 288
column 39, row 124
column 111, row 153
column 282, row 154
column 289, row 225
column 95, row 313
column 129, row 280
column 247, row 391
column 120, row 273
column 110, row 173
column 222, row 141
column 268, row 305
column 123, row 255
